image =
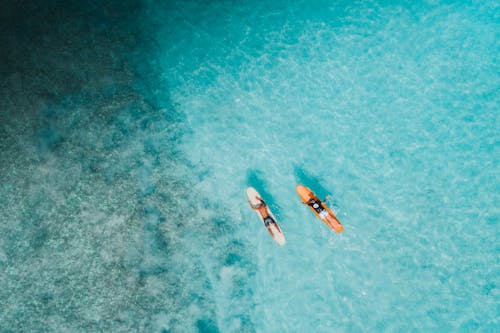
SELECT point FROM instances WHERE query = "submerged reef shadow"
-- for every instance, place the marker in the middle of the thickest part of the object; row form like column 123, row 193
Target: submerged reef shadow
column 96, row 133
column 255, row 179
column 305, row 178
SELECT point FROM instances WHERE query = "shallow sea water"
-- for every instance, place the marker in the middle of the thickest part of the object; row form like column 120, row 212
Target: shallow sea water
column 130, row 131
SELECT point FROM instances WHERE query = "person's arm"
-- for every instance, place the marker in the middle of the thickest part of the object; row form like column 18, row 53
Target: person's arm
column 262, row 204
column 252, row 206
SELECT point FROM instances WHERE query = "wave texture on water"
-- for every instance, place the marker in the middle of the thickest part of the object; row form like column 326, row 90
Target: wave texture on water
column 129, row 131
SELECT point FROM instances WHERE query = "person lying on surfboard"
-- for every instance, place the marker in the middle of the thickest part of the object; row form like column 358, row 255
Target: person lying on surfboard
column 319, row 209
column 317, row 205
column 261, row 208
column 265, row 215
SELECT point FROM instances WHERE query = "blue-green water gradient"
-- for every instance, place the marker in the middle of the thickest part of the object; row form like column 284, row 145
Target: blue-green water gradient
column 124, row 197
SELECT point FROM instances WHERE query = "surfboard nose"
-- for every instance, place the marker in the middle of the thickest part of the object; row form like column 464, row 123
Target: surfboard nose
column 300, row 188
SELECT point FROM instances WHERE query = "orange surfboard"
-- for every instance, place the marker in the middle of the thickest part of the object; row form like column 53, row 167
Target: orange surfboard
column 319, row 208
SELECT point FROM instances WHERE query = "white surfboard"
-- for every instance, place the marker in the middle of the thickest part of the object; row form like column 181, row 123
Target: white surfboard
column 253, row 199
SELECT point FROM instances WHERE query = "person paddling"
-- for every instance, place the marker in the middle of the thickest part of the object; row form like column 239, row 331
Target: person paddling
column 317, row 205
column 265, row 215
column 319, row 208
column 261, row 208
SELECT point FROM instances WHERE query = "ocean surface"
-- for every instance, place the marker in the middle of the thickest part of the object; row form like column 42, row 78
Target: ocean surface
column 130, row 130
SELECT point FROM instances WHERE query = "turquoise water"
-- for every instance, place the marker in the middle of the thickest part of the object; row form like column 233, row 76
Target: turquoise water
column 131, row 130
